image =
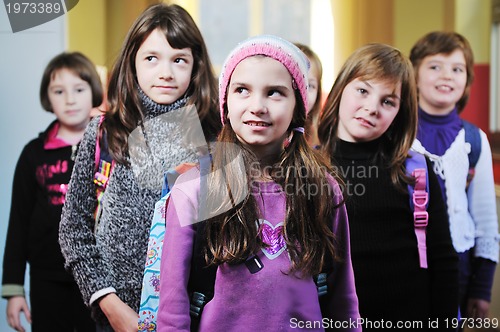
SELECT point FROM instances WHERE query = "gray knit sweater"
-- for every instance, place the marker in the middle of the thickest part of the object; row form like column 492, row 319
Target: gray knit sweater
column 114, row 256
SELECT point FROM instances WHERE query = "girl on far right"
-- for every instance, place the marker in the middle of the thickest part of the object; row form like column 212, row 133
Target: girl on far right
column 443, row 63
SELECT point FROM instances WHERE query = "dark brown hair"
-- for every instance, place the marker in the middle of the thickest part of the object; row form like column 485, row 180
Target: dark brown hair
column 445, row 42
column 81, row 66
column 125, row 112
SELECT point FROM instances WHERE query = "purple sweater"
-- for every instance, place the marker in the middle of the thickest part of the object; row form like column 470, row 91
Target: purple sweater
column 268, row 300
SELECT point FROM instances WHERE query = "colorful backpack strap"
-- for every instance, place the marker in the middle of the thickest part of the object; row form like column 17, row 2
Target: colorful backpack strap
column 416, row 166
column 104, row 164
column 150, row 293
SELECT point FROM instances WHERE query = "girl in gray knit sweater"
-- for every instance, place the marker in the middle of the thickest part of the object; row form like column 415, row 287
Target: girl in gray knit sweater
column 162, row 75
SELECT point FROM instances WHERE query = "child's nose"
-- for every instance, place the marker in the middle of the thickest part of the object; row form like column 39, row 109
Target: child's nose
column 446, row 72
column 371, row 106
column 70, row 98
column 258, row 105
column 166, row 72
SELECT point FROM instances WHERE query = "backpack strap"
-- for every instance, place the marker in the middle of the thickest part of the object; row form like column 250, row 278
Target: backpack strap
column 473, row 137
column 104, row 164
column 416, row 166
column 321, row 281
column 202, row 277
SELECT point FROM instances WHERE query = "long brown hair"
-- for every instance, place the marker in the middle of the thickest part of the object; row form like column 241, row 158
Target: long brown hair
column 124, row 105
column 377, row 62
column 232, row 236
column 445, row 42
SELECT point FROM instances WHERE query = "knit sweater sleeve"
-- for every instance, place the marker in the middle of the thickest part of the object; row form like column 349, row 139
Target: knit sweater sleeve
column 442, row 258
column 76, row 235
column 344, row 301
column 22, row 205
column 482, row 205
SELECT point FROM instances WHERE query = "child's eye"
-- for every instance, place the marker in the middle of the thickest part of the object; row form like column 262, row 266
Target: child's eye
column 180, row 60
column 434, row 67
column 362, row 91
column 458, row 70
column 274, row 93
column 389, row 102
column 57, row 92
column 313, row 86
column 150, row 58
column 240, row 90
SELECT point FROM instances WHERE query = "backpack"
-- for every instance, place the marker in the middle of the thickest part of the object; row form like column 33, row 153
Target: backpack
column 150, row 293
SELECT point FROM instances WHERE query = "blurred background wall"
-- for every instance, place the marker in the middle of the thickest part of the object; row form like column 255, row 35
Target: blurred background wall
column 333, row 28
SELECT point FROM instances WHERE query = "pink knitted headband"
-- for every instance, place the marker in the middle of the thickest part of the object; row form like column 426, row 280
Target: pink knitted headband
column 274, row 47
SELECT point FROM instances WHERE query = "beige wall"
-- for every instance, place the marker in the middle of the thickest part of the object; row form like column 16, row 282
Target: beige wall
column 358, row 22
column 473, row 20
column 97, row 28
column 86, row 23
column 413, row 19
column 396, row 22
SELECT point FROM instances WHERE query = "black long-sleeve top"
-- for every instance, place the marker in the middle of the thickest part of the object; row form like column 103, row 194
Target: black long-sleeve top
column 40, row 182
column 389, row 281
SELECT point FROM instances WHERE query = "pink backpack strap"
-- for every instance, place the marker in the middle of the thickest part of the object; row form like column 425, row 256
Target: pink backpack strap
column 420, row 215
column 98, row 144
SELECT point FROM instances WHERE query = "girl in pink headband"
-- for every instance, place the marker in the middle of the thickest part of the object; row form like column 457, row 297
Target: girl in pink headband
column 273, row 225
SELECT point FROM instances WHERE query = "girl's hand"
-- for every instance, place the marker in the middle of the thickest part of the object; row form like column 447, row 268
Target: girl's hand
column 15, row 305
column 477, row 308
column 121, row 317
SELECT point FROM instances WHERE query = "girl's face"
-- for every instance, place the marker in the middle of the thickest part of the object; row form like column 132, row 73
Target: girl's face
column 261, row 102
column 70, row 98
column 442, row 79
column 163, row 72
column 312, row 91
column 367, row 109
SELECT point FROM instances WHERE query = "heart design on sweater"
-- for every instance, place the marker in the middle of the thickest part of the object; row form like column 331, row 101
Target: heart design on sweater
column 273, row 237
